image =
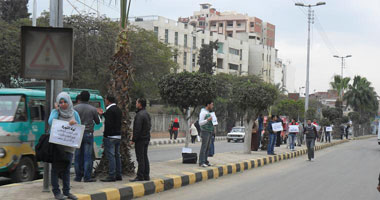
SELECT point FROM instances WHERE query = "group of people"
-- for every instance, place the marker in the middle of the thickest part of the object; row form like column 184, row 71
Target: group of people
column 85, row 114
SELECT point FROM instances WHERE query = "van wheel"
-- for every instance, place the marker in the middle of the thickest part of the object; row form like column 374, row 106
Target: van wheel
column 25, row 171
column 242, row 140
column 229, row 141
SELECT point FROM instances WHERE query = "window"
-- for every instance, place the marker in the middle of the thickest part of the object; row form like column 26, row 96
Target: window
column 13, row 108
column 201, row 23
column 241, row 54
column 176, row 38
column 194, row 42
column 37, row 109
column 185, row 40
column 184, row 58
column 233, row 66
column 156, row 31
column 230, row 24
column 262, row 57
column 213, row 24
column 175, row 58
column 220, row 47
column 166, row 36
column 252, row 37
column 229, row 34
column 193, row 60
column 220, row 24
column 252, row 24
column 186, row 26
column 203, row 41
column 219, row 63
column 234, row 51
column 239, row 24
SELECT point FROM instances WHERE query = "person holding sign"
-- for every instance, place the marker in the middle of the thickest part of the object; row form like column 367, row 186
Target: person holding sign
column 272, row 135
column 328, row 130
column 293, row 131
column 207, row 128
column 63, row 111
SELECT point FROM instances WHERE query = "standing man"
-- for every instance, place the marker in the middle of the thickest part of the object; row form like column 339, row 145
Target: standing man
column 171, row 129
column 292, row 136
column 207, row 128
column 112, row 138
column 347, row 130
column 83, row 156
column 272, row 135
column 141, row 138
column 328, row 135
column 175, row 128
column 311, row 134
column 261, row 127
column 300, row 134
column 278, row 133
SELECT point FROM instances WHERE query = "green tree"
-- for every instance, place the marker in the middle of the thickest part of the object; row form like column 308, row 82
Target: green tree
column 13, row 10
column 289, row 107
column 205, row 57
column 340, row 85
column 361, row 96
column 187, row 90
column 10, row 52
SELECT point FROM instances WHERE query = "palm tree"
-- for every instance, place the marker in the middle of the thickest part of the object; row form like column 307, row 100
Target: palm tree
column 361, row 96
column 340, row 85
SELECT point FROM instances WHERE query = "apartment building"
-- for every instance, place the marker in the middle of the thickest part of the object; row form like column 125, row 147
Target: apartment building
column 231, row 56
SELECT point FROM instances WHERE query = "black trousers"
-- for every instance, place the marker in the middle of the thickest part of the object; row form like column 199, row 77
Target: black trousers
column 278, row 139
column 141, row 149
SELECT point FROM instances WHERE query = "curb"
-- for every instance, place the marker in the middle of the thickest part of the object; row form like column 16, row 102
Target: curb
column 133, row 190
column 180, row 141
column 363, row 137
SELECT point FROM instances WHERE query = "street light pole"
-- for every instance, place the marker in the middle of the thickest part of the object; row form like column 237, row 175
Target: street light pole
column 342, row 58
column 308, row 50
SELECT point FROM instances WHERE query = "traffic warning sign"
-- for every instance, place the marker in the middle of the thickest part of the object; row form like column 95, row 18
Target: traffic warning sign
column 47, row 53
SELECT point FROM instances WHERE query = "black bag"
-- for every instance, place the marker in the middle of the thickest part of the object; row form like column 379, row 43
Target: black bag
column 189, row 158
column 44, row 149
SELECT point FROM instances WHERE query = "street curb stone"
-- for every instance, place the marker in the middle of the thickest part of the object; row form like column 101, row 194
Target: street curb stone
column 134, row 190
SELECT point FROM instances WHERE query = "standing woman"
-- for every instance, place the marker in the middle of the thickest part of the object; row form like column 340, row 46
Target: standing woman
column 193, row 132
column 63, row 111
column 255, row 136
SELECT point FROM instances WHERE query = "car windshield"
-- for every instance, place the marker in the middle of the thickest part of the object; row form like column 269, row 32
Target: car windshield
column 12, row 108
column 237, row 130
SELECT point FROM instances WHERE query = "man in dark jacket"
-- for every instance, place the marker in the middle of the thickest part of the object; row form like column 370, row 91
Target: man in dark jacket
column 272, row 135
column 141, row 138
column 112, row 138
column 311, row 134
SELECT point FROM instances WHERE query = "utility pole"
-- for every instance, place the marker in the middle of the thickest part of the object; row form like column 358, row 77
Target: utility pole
column 53, row 88
column 342, row 57
column 310, row 19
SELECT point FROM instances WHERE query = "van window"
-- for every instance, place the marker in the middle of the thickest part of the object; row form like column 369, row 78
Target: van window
column 96, row 104
column 37, row 109
column 12, row 108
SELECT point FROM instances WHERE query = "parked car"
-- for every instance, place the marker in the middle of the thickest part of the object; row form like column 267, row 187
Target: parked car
column 237, row 134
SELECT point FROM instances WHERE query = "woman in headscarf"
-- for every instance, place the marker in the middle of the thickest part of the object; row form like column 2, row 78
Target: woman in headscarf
column 63, row 111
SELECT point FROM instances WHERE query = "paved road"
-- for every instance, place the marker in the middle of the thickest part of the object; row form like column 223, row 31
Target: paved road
column 347, row 171
column 174, row 151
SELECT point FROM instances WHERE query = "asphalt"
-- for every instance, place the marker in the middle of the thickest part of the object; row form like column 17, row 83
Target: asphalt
column 348, row 171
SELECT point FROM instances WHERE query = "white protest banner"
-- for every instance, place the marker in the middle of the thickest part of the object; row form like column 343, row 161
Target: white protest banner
column 328, row 129
column 293, row 129
column 214, row 119
column 63, row 133
column 277, row 126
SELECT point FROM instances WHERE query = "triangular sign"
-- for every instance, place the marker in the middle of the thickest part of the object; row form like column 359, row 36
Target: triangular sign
column 47, row 56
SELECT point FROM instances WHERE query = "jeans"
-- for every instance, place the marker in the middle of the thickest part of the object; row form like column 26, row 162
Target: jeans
column 83, row 158
column 193, row 138
column 278, row 139
column 292, row 140
column 206, row 139
column 175, row 134
column 328, row 136
column 272, row 142
column 65, row 176
column 259, row 136
column 141, row 149
column 310, row 142
column 211, row 150
column 112, row 149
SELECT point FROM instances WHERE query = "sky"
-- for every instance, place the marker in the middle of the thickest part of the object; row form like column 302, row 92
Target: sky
column 341, row 27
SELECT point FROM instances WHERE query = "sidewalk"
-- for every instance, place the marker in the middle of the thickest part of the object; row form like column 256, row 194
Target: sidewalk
column 165, row 176
column 162, row 141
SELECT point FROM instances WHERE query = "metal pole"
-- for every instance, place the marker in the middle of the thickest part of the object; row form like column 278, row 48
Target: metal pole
column 47, row 114
column 341, row 89
column 188, row 127
column 308, row 63
column 34, row 21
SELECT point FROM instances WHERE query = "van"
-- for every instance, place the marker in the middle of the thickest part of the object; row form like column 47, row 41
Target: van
column 22, row 122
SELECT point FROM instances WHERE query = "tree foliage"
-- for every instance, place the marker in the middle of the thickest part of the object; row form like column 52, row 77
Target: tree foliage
column 185, row 89
column 340, row 84
column 289, row 107
column 205, row 57
column 13, row 10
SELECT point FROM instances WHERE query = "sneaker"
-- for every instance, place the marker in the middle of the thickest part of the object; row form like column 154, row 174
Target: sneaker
column 119, row 178
column 77, row 179
column 209, row 164
column 59, row 196
column 71, row 196
column 147, row 178
column 89, row 180
column 136, row 179
column 312, row 160
column 108, row 179
column 204, row 165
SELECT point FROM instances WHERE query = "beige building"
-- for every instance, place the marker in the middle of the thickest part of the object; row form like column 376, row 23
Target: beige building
column 231, row 56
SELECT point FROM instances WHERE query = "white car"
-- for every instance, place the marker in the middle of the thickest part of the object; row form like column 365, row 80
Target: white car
column 237, row 134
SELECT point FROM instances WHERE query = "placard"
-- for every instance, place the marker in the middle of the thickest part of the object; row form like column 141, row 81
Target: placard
column 186, row 150
column 214, row 119
column 277, row 126
column 293, row 129
column 64, row 134
column 328, row 129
